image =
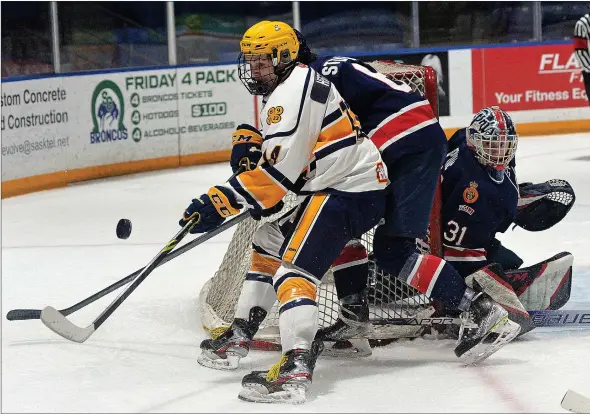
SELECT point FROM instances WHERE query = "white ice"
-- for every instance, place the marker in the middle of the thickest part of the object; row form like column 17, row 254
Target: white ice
column 59, row 247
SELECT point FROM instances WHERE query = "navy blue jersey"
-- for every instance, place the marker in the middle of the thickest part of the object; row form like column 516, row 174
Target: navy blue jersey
column 387, row 110
column 475, row 206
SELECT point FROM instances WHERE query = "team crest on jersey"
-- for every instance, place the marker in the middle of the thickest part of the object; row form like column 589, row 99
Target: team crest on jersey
column 274, row 115
column 470, row 195
column 466, row 209
column 381, row 174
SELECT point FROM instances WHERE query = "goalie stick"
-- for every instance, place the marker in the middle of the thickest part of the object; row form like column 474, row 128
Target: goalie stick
column 539, row 318
column 556, row 318
column 576, row 403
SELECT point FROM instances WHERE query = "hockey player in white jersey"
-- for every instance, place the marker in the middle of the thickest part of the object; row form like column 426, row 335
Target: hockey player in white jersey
column 312, row 145
column 369, row 92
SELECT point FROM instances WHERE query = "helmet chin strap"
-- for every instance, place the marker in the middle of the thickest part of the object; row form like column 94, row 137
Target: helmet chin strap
column 282, row 74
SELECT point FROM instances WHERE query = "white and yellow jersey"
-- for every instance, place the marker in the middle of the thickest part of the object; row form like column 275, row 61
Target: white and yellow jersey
column 311, row 143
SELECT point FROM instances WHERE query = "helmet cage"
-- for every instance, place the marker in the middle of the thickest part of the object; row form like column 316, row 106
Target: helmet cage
column 493, row 150
column 270, row 77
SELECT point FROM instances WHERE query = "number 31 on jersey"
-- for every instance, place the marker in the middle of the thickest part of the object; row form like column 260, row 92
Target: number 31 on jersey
column 455, row 233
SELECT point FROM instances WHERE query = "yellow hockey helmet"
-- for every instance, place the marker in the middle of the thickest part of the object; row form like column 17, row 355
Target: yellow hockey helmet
column 272, row 40
column 276, row 39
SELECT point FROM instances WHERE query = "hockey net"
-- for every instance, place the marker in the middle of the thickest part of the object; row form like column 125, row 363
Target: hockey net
column 390, row 298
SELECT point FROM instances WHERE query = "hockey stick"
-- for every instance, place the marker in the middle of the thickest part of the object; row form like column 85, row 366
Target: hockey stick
column 557, row 318
column 58, row 323
column 576, row 403
column 25, row 314
column 421, row 321
column 539, row 318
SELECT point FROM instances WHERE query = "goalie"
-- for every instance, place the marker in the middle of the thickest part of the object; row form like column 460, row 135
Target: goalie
column 481, row 197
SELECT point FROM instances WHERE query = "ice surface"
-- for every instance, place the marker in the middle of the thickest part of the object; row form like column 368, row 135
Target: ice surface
column 59, row 247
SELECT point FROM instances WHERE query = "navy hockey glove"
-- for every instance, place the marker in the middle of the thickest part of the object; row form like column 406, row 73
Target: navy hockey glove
column 211, row 209
column 246, row 147
column 543, row 205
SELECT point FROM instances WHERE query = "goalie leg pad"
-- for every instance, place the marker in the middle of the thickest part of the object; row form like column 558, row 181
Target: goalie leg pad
column 545, row 285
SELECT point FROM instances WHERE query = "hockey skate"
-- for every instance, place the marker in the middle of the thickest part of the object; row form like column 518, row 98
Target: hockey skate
column 287, row 381
column 494, row 329
column 346, row 335
column 225, row 351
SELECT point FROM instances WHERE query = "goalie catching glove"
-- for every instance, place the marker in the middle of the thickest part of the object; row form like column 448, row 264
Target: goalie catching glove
column 246, row 148
column 543, row 205
column 211, row 208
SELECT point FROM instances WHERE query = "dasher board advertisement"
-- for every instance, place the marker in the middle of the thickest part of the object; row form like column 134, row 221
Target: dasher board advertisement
column 528, row 78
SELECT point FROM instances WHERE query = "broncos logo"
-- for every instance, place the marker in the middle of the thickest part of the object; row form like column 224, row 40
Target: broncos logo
column 108, row 113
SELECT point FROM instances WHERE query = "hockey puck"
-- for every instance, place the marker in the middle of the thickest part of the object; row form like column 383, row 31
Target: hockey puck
column 123, row 228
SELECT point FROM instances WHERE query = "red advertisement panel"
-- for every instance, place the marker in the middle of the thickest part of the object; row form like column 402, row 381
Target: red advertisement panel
column 526, row 78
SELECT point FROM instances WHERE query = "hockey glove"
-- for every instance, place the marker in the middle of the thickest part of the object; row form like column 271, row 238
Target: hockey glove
column 211, row 209
column 543, row 205
column 246, row 147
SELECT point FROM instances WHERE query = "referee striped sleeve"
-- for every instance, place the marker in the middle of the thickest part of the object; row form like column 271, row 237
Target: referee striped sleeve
column 582, row 41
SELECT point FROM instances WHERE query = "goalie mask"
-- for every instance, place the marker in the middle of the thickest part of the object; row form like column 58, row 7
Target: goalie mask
column 493, row 138
column 268, row 53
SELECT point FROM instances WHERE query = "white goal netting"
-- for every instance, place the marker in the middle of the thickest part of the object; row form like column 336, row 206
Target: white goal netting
column 389, row 297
